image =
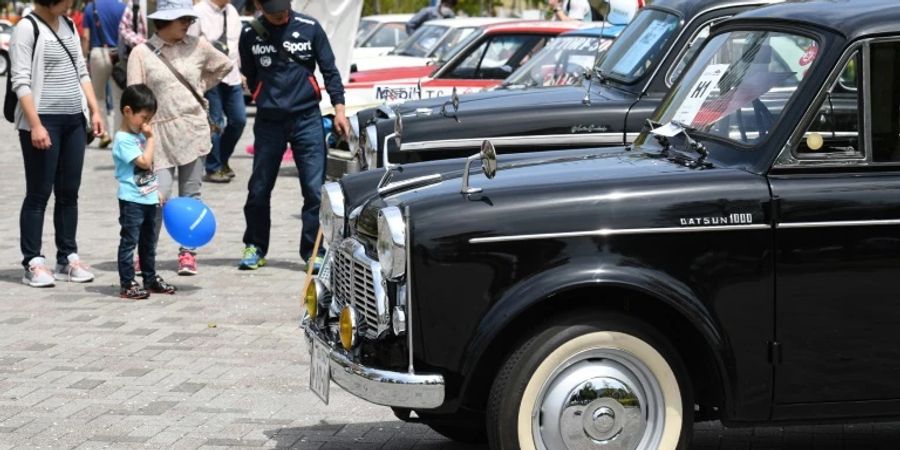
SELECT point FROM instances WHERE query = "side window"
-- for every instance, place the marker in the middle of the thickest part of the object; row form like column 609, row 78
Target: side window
column 389, row 35
column 885, row 101
column 498, row 57
column 691, row 50
column 835, row 130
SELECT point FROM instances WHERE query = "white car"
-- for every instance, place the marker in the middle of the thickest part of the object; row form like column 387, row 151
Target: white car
column 379, row 34
column 432, row 43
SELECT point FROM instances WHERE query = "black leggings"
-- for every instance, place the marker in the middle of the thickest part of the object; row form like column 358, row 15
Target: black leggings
column 56, row 170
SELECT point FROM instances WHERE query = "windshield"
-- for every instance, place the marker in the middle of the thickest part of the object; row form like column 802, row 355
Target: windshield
column 562, row 62
column 421, row 42
column 365, row 26
column 640, row 46
column 738, row 86
column 452, row 42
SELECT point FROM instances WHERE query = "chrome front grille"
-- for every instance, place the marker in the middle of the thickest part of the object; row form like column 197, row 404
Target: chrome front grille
column 356, row 281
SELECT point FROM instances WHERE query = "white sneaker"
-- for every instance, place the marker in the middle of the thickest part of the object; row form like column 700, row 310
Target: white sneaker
column 75, row 271
column 38, row 274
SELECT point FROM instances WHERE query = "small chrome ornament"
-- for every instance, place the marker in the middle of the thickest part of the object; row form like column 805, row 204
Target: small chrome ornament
column 488, row 158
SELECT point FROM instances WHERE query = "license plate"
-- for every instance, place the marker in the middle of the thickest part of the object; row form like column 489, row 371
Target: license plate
column 325, row 270
column 320, row 371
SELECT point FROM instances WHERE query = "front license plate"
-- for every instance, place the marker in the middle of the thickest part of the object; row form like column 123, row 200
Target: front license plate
column 320, row 371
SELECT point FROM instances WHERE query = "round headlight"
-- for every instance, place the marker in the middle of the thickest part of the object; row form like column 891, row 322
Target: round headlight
column 370, row 147
column 353, row 136
column 391, row 243
column 312, row 300
column 331, row 212
column 348, row 327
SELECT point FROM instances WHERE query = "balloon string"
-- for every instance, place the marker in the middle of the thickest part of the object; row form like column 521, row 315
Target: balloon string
column 199, row 219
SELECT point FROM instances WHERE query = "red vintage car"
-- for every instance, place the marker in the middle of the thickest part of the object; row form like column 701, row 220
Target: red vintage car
column 483, row 62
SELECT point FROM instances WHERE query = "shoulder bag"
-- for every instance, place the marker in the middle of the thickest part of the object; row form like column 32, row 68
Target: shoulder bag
column 11, row 99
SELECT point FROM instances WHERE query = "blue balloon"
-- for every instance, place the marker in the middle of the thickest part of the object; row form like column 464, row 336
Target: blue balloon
column 189, row 221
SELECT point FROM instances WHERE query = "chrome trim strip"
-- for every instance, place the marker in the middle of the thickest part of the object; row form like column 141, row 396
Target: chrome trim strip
column 840, row 223
column 403, row 390
column 612, row 138
column 408, row 282
column 603, row 232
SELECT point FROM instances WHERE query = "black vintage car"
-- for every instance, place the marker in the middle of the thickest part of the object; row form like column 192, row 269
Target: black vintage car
column 736, row 263
column 607, row 110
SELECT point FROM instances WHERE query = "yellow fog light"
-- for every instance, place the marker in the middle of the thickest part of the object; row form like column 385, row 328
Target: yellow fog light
column 348, row 327
column 312, row 299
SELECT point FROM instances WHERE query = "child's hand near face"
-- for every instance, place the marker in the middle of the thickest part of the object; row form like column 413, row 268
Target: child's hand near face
column 147, row 130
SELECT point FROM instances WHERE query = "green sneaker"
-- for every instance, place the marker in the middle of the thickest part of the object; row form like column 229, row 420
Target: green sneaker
column 252, row 260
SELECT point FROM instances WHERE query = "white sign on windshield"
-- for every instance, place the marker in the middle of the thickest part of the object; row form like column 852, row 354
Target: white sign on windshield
column 637, row 54
column 699, row 92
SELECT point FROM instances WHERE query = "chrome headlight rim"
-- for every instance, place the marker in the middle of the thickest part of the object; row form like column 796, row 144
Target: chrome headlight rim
column 331, row 213
column 391, row 244
column 370, row 146
column 353, row 136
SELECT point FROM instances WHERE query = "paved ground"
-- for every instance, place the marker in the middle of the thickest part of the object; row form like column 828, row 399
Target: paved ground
column 220, row 364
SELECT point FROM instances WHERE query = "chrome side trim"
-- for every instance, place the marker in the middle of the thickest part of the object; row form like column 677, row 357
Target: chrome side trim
column 839, row 223
column 398, row 389
column 604, row 232
column 408, row 290
column 520, row 141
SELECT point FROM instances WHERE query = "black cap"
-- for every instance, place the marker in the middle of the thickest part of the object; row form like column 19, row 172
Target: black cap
column 275, row 6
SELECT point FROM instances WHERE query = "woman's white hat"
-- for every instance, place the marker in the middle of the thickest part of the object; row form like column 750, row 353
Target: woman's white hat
column 173, row 9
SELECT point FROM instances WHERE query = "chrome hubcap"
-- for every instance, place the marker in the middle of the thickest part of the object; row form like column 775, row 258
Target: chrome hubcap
column 600, row 399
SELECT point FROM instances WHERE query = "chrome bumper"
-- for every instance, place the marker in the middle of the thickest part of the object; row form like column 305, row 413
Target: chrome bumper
column 340, row 163
column 398, row 389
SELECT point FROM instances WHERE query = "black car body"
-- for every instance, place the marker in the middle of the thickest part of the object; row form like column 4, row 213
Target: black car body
column 736, row 263
column 609, row 110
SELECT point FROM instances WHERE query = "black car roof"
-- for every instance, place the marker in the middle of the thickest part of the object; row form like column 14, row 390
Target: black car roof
column 690, row 8
column 852, row 18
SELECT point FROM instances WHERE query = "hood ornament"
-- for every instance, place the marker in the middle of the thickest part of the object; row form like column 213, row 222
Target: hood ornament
column 488, row 158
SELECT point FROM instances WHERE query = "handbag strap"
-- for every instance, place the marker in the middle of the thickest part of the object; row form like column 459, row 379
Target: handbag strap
column 224, row 37
column 158, row 52
column 61, row 43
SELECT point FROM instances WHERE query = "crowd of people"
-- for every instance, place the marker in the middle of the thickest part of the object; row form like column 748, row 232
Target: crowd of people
column 178, row 114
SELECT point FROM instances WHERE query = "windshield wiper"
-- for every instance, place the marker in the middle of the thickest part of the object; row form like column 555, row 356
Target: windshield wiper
column 693, row 143
column 663, row 133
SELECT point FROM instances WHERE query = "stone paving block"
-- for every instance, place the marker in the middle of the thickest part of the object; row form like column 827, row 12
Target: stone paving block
column 86, row 384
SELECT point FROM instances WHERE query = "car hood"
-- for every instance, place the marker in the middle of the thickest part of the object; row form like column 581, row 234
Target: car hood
column 579, row 190
column 516, row 112
column 390, row 62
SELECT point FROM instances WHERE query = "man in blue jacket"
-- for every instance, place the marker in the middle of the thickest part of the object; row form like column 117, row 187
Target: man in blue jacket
column 279, row 54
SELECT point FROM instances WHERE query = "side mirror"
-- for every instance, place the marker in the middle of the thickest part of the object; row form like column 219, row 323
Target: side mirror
column 454, row 103
column 488, row 157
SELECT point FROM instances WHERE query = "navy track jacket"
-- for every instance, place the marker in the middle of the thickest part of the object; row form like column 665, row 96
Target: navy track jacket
column 279, row 84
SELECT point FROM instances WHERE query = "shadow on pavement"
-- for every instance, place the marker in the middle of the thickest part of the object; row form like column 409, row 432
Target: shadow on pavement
column 359, row 436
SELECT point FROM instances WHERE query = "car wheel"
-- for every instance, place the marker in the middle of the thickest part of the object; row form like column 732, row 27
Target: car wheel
column 4, row 63
column 585, row 382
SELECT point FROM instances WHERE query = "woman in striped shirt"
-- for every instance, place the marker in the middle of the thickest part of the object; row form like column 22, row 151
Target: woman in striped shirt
column 56, row 98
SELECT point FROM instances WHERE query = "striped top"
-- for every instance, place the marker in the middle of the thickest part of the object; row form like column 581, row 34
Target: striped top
column 65, row 97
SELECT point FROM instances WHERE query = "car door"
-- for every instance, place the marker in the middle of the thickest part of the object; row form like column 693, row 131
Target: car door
column 837, row 209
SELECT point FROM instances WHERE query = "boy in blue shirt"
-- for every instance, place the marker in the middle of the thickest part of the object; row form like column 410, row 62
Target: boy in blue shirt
column 138, row 196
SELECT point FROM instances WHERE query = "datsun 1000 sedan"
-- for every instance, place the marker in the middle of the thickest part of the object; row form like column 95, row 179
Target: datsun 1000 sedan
column 736, row 263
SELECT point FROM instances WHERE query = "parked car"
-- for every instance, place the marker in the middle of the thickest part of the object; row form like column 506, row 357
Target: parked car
column 607, row 110
column 430, row 45
column 379, row 34
column 735, row 263
column 6, row 29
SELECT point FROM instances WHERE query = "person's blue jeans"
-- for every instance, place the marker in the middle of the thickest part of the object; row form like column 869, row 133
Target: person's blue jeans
column 56, row 170
column 306, row 135
column 226, row 109
column 138, row 223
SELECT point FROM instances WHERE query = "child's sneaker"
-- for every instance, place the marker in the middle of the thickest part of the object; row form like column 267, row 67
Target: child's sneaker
column 75, row 271
column 251, row 259
column 159, row 286
column 38, row 274
column 133, row 291
column 187, row 263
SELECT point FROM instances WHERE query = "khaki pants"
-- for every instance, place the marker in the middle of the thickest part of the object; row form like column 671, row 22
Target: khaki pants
column 101, row 74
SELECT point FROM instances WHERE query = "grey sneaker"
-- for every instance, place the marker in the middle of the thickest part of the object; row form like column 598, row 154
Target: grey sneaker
column 38, row 274
column 75, row 271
